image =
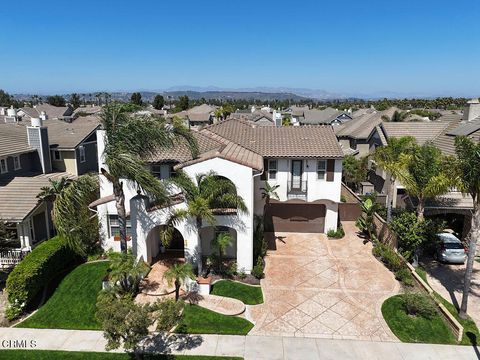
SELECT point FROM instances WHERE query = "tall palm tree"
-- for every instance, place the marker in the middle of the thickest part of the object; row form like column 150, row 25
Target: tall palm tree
column 177, row 274
column 426, row 176
column 393, row 159
column 129, row 142
column 468, row 165
column 203, row 197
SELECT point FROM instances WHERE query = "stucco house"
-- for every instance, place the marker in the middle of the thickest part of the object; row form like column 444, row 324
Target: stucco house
column 31, row 153
column 306, row 163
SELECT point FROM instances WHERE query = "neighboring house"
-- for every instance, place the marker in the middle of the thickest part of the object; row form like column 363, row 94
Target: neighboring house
column 306, row 163
column 302, row 115
column 201, row 115
column 360, row 136
column 259, row 117
column 32, row 152
column 87, row 110
column 47, row 111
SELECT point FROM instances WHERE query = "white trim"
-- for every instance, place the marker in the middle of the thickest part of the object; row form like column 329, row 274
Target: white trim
column 60, row 157
column 81, row 150
column 19, row 163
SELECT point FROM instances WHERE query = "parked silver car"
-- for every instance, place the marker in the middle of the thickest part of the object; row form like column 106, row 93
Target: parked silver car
column 450, row 249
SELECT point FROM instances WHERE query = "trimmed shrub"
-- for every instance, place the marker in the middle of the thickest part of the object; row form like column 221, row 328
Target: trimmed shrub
column 33, row 273
column 405, row 277
column 336, row 234
column 257, row 270
column 388, row 256
column 417, row 304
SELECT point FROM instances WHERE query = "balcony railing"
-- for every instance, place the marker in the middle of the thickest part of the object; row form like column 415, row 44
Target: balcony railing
column 10, row 258
column 297, row 189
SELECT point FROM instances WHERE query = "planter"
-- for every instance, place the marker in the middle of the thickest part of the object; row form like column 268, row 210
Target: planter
column 204, row 285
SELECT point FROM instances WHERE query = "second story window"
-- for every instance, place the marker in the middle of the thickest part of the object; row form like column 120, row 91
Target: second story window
column 81, row 151
column 321, row 169
column 16, row 163
column 3, row 166
column 272, row 169
column 114, row 226
column 157, row 171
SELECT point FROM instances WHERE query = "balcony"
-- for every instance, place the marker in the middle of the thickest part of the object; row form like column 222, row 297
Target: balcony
column 297, row 189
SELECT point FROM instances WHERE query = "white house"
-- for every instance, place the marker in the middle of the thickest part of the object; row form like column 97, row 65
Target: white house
column 306, row 163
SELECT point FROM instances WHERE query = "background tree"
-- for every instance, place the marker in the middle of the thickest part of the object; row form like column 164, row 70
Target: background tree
column 468, row 168
column 183, row 102
column 75, row 100
column 56, row 100
column 129, row 141
column 354, row 170
column 427, row 175
column 203, row 196
column 73, row 220
column 158, row 102
column 136, row 98
column 399, row 116
column 7, row 100
column 221, row 243
column 8, row 237
column 393, row 159
column 123, row 321
column 177, row 274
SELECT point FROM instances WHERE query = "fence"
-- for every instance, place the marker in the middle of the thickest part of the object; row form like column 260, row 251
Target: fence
column 10, row 258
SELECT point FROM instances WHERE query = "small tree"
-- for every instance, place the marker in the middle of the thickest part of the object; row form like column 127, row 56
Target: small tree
column 158, row 102
column 123, row 321
column 221, row 243
column 167, row 313
column 366, row 222
column 183, row 102
column 177, row 275
column 354, row 170
column 269, row 192
column 136, row 98
column 75, row 100
column 127, row 272
column 56, row 100
column 468, row 169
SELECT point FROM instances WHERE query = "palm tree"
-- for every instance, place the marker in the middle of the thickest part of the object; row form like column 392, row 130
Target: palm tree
column 393, row 159
column 129, row 142
column 221, row 242
column 468, row 165
column 426, row 176
column 269, row 192
column 177, row 274
column 73, row 220
column 399, row 116
column 204, row 196
column 126, row 271
column 50, row 193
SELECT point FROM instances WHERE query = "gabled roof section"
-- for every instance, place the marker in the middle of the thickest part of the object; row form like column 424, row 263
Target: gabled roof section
column 362, row 126
column 13, row 140
column 53, row 112
column 316, row 141
column 421, row 131
column 326, row 116
column 446, row 140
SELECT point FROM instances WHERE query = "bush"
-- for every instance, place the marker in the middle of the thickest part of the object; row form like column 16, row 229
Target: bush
column 34, row 272
column 257, row 270
column 336, row 234
column 417, row 304
column 405, row 277
column 388, row 256
column 343, row 199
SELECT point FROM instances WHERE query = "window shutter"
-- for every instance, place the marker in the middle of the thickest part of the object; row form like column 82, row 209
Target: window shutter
column 330, row 169
column 265, row 170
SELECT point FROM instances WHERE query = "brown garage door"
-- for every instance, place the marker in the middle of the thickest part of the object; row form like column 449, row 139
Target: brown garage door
column 306, row 218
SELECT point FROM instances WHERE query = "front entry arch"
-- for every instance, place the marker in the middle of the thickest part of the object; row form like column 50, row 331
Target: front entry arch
column 176, row 248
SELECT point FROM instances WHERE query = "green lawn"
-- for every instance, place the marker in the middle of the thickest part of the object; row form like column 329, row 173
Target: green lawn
column 471, row 334
column 72, row 306
column 250, row 295
column 415, row 329
column 73, row 355
column 198, row 320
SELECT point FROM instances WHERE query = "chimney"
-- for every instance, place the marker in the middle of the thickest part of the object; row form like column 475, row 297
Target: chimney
column 472, row 110
column 38, row 139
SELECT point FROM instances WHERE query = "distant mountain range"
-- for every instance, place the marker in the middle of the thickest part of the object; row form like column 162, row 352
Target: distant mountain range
column 255, row 93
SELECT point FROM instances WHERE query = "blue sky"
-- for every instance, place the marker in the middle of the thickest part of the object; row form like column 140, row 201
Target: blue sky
column 416, row 47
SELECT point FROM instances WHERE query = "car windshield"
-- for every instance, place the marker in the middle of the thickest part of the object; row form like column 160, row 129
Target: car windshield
column 453, row 245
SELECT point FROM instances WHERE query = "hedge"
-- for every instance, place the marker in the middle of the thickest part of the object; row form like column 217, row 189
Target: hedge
column 35, row 271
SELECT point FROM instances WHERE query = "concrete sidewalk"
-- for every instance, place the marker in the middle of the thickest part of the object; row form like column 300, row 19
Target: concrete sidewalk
column 249, row 347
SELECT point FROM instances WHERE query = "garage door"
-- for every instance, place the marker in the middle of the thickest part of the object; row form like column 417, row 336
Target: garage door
column 306, row 218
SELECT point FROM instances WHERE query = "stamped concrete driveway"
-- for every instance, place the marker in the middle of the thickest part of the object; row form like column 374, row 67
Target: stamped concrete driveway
column 316, row 287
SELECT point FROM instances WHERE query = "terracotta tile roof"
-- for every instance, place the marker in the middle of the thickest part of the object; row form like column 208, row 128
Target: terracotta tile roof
column 18, row 196
column 421, row 131
column 317, row 141
column 13, row 139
